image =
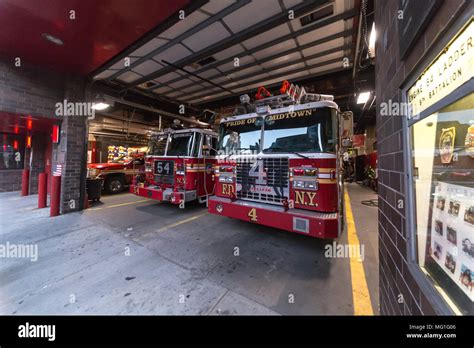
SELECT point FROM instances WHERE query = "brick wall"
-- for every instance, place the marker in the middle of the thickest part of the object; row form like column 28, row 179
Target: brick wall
column 26, row 90
column 10, row 180
column 29, row 90
column 391, row 72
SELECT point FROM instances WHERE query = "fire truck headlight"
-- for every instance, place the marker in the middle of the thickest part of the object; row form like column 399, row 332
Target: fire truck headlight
column 219, row 208
column 180, row 172
column 298, row 183
column 226, row 179
column 148, row 167
column 311, row 185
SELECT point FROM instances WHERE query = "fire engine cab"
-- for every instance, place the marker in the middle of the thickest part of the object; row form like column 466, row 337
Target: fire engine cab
column 178, row 167
column 279, row 162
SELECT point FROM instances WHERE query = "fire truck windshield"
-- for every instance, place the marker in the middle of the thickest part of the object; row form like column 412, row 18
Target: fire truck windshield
column 180, row 144
column 310, row 130
column 241, row 135
column 157, row 145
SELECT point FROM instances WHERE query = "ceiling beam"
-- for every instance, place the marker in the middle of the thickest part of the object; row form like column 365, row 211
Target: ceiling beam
column 279, row 55
column 161, row 27
column 218, row 16
column 281, row 75
column 195, row 94
column 157, row 111
column 343, row 16
column 203, row 103
column 237, row 38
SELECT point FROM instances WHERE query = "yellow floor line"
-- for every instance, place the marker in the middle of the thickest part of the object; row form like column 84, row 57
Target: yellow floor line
column 119, row 205
column 360, row 290
column 164, row 228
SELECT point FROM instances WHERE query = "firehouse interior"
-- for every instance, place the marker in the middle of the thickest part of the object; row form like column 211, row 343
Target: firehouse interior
column 205, row 157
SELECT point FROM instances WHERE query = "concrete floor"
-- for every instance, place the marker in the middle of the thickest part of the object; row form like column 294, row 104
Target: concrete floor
column 135, row 256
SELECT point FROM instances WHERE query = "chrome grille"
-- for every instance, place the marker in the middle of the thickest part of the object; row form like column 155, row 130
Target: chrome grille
column 276, row 170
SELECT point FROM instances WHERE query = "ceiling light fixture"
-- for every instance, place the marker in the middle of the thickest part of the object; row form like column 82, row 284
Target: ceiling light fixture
column 101, row 103
column 363, row 97
column 52, row 39
column 100, row 106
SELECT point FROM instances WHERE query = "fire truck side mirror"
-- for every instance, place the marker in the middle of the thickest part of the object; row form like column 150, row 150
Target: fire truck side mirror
column 346, row 128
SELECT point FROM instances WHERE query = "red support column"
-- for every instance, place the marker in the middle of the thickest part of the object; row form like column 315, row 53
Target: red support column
column 42, row 190
column 55, row 195
column 25, row 182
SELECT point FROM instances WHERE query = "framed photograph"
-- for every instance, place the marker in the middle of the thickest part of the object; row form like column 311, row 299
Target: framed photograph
column 440, row 202
column 454, row 208
column 468, row 247
column 438, row 250
column 466, row 278
column 450, row 262
column 439, row 227
column 469, row 215
column 451, row 235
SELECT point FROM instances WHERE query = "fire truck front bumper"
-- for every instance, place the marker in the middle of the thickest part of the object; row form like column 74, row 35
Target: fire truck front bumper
column 310, row 223
column 158, row 194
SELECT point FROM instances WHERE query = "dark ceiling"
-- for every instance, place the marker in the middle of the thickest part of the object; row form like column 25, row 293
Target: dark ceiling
column 94, row 33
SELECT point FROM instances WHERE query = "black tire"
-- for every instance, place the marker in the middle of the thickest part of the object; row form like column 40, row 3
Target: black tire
column 114, row 184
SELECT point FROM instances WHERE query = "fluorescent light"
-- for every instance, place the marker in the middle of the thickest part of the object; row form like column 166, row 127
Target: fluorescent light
column 372, row 41
column 363, row 97
column 100, row 106
column 52, row 39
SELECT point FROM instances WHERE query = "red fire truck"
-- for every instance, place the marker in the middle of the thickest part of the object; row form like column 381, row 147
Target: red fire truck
column 179, row 166
column 279, row 162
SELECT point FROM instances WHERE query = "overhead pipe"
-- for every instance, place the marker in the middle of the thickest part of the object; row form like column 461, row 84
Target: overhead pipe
column 157, row 111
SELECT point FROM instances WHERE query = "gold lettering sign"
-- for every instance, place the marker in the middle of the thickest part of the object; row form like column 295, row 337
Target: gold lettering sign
column 291, row 114
column 305, row 198
column 227, row 189
column 241, row 122
column 452, row 68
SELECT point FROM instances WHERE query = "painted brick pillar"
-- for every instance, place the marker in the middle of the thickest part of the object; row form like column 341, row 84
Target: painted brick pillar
column 71, row 152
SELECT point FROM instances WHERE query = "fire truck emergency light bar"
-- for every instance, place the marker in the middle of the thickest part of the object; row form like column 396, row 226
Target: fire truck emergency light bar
column 290, row 94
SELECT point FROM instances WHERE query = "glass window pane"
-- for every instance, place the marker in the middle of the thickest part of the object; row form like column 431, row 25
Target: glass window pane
column 12, row 150
column 443, row 168
column 308, row 131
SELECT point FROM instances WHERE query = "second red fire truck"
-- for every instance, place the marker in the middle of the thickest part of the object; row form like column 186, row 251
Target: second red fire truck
column 279, row 163
column 178, row 167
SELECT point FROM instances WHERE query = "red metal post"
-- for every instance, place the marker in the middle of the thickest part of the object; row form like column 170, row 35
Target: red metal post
column 42, row 189
column 25, row 182
column 55, row 195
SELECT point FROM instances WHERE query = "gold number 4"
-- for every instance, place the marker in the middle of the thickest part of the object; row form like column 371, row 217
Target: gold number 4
column 252, row 214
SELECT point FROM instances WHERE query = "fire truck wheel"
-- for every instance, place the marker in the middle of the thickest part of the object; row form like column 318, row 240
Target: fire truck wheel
column 114, row 184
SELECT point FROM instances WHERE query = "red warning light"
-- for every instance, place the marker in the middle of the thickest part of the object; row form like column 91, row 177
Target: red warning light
column 55, row 134
column 29, row 124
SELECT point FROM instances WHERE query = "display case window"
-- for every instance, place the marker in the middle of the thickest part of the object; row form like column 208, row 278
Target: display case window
column 12, row 151
column 443, row 184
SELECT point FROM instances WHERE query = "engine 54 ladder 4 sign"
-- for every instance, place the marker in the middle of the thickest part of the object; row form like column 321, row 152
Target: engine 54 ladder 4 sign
column 452, row 68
